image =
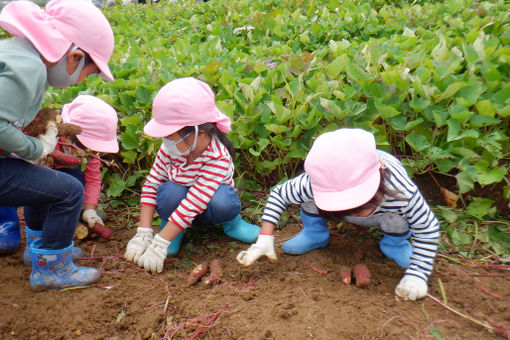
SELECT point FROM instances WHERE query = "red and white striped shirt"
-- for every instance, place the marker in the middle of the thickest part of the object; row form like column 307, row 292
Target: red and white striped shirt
column 204, row 175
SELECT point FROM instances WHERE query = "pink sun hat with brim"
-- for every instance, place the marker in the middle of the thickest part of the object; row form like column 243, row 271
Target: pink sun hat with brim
column 343, row 168
column 62, row 23
column 98, row 122
column 184, row 102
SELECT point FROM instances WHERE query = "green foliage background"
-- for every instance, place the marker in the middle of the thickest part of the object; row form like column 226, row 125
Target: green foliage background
column 430, row 79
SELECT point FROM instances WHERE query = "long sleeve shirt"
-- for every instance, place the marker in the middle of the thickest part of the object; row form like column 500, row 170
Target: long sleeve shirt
column 203, row 177
column 91, row 176
column 22, row 86
column 407, row 202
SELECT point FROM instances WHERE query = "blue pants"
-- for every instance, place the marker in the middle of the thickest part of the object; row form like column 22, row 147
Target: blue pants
column 223, row 206
column 52, row 199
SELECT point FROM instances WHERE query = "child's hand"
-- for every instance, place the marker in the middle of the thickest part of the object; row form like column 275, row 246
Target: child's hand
column 155, row 254
column 411, row 288
column 137, row 245
column 263, row 246
column 90, row 217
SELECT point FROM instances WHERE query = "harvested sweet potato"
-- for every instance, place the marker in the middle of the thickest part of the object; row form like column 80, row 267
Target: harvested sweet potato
column 216, row 273
column 81, row 231
column 345, row 274
column 197, row 273
column 361, row 275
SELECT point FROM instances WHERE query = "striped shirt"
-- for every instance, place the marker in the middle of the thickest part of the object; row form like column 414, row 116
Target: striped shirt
column 203, row 177
column 408, row 203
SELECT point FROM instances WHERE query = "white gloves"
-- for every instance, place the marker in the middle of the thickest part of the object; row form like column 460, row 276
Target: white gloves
column 263, row 246
column 90, row 217
column 411, row 288
column 49, row 139
column 155, row 254
column 137, row 245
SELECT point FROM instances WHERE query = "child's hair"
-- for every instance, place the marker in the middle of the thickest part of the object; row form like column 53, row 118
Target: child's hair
column 373, row 203
column 212, row 130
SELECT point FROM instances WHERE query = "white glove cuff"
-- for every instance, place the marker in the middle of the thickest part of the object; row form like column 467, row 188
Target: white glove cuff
column 144, row 233
column 160, row 242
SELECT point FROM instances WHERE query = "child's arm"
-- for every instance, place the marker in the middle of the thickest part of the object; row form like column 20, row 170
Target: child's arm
column 92, row 188
column 425, row 232
column 296, row 190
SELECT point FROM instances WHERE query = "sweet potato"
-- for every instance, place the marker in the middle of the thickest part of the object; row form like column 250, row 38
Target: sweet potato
column 81, row 231
column 345, row 274
column 62, row 158
column 197, row 273
column 216, row 273
column 361, row 275
column 102, row 231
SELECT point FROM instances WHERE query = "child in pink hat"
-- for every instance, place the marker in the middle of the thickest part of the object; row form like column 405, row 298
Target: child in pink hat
column 191, row 181
column 346, row 178
column 86, row 112
column 60, row 46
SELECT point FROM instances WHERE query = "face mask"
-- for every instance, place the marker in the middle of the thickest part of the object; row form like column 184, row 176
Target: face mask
column 58, row 76
column 173, row 150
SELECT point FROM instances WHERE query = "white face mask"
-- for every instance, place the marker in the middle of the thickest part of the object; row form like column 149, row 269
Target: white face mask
column 173, row 150
column 58, row 76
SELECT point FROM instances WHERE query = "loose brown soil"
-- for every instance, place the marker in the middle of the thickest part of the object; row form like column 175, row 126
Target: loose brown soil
column 298, row 297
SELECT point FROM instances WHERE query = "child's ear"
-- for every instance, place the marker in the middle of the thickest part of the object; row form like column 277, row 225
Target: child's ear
column 73, row 59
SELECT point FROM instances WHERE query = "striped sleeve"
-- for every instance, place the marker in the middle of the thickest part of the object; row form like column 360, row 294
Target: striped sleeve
column 425, row 231
column 157, row 176
column 422, row 222
column 212, row 174
column 294, row 191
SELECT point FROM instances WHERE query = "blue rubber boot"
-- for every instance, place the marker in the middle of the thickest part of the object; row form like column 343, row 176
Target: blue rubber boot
column 9, row 229
column 55, row 269
column 241, row 230
column 31, row 236
column 315, row 234
column 175, row 244
column 397, row 248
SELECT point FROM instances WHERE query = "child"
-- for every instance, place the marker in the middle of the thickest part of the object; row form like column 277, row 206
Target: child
column 60, row 46
column 85, row 111
column 191, row 181
column 347, row 178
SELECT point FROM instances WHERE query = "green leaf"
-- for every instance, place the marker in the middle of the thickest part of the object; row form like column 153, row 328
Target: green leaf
column 469, row 95
column 459, row 238
column 465, row 182
column 130, row 138
column 479, row 207
column 417, row 141
column 338, row 65
column 356, row 73
column 450, row 91
column 486, row 175
column 486, row 108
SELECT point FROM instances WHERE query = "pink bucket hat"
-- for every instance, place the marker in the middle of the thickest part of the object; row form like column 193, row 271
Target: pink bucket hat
column 343, row 168
column 184, row 102
column 97, row 120
column 60, row 24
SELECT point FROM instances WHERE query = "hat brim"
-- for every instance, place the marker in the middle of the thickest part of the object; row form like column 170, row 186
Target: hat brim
column 157, row 130
column 350, row 198
column 109, row 146
column 105, row 73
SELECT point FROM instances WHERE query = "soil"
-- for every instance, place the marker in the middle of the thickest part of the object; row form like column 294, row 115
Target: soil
column 297, row 297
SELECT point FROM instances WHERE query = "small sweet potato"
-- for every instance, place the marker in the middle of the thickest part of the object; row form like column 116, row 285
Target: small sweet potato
column 197, row 273
column 216, row 273
column 345, row 274
column 361, row 275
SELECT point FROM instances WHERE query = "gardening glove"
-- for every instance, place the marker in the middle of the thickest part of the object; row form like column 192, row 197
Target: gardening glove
column 263, row 246
column 48, row 139
column 411, row 288
column 90, row 217
column 137, row 245
column 154, row 255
